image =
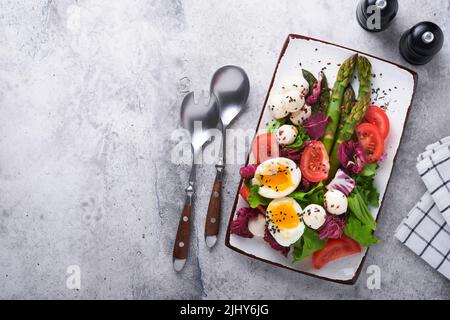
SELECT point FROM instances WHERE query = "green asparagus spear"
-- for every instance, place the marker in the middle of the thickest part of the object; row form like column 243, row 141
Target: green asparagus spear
column 347, row 104
column 342, row 80
column 357, row 113
column 346, row 108
column 359, row 110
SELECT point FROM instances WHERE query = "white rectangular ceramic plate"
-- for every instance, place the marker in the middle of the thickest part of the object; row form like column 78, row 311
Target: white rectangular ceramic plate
column 394, row 86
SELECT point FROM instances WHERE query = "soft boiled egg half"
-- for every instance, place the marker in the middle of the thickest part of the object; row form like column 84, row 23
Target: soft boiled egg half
column 283, row 217
column 277, row 178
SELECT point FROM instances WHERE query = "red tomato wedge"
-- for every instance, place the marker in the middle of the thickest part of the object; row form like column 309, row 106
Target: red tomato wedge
column 265, row 146
column 371, row 141
column 334, row 250
column 244, row 192
column 377, row 116
column 315, row 164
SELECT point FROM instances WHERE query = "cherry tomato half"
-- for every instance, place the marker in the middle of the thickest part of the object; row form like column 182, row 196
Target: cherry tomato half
column 371, row 141
column 265, row 146
column 377, row 116
column 315, row 164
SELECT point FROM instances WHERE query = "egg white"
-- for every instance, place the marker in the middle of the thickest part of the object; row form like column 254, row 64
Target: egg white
column 293, row 169
column 257, row 225
column 286, row 236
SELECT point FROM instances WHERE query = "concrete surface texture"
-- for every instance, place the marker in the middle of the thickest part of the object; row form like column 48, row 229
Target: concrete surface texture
column 89, row 98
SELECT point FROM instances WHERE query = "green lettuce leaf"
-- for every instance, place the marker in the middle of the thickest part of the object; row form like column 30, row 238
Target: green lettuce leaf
column 360, row 209
column 370, row 170
column 365, row 184
column 307, row 245
column 302, row 137
column 363, row 234
column 313, row 196
column 360, row 222
column 255, row 199
column 275, row 124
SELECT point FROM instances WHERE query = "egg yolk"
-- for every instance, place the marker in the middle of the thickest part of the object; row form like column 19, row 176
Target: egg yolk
column 276, row 177
column 284, row 215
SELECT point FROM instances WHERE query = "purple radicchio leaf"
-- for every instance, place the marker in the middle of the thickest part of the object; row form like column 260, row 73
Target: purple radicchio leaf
column 306, row 144
column 351, row 157
column 248, row 172
column 293, row 154
column 342, row 182
column 314, row 96
column 274, row 244
column 239, row 226
column 305, row 185
column 333, row 227
column 315, row 126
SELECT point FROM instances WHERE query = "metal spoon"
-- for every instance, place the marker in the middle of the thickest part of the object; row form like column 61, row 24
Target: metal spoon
column 192, row 115
column 231, row 87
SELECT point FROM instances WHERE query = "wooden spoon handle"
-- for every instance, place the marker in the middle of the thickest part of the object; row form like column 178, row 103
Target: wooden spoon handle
column 212, row 224
column 181, row 246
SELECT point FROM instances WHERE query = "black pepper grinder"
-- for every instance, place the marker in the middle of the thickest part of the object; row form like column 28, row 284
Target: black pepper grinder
column 421, row 43
column 376, row 15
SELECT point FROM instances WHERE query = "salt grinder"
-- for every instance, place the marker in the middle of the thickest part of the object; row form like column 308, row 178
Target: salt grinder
column 421, row 43
column 376, row 15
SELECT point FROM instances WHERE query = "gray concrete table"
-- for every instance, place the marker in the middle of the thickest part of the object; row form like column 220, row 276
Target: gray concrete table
column 89, row 97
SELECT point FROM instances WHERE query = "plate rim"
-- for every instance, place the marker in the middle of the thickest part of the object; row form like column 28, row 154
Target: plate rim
column 355, row 277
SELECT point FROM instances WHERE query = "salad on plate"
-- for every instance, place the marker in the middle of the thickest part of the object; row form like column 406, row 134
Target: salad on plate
column 310, row 182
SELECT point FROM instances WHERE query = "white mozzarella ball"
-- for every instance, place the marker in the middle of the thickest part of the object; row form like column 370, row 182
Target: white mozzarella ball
column 298, row 118
column 293, row 101
column 257, row 225
column 314, row 216
column 286, row 134
column 335, row 202
column 297, row 83
column 277, row 107
column 304, row 87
